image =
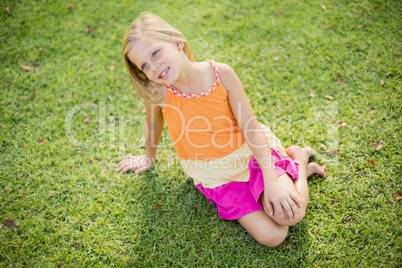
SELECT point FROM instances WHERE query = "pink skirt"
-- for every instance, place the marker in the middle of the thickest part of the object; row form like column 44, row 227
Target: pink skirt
column 237, row 199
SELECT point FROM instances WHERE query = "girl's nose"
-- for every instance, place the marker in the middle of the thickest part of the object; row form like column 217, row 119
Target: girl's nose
column 155, row 66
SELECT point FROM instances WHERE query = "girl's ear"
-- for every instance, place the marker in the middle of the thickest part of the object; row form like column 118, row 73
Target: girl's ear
column 180, row 45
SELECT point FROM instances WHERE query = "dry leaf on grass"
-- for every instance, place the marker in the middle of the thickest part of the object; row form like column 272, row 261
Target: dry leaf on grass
column 41, row 142
column 27, row 68
column 113, row 67
column 378, row 145
column 341, row 124
column 312, row 94
column 348, row 219
column 398, row 196
column 371, row 111
column 371, row 162
column 327, row 26
column 89, row 64
column 157, row 206
column 8, row 10
column 89, row 29
column 70, row 5
column 10, row 223
column 24, row 98
column 323, row 7
column 276, row 58
column 329, row 97
column 332, row 152
column 87, row 120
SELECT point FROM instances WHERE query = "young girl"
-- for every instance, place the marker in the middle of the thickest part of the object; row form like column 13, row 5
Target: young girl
column 235, row 161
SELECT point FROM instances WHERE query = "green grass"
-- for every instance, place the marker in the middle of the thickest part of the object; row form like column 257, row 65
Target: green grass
column 72, row 210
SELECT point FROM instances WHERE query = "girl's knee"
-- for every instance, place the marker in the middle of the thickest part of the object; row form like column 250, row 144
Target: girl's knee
column 273, row 238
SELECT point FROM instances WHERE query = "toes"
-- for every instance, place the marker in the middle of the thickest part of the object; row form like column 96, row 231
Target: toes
column 315, row 168
column 309, row 150
column 321, row 171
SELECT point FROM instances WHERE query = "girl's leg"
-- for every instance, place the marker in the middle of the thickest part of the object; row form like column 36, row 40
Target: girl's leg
column 301, row 156
column 271, row 231
column 287, row 181
column 263, row 228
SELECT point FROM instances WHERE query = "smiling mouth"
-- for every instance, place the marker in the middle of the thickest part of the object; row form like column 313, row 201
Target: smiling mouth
column 164, row 73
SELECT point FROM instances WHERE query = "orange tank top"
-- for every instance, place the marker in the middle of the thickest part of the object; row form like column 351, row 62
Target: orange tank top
column 202, row 126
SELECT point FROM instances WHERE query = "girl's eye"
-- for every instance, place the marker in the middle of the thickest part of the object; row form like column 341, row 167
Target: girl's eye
column 145, row 65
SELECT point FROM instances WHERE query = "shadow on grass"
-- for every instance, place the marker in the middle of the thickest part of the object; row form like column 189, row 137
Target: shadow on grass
column 179, row 226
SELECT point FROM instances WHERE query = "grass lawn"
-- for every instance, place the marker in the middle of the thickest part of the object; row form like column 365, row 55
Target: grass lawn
column 71, row 114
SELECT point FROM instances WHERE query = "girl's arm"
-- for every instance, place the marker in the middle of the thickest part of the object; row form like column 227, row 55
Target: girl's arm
column 153, row 128
column 279, row 199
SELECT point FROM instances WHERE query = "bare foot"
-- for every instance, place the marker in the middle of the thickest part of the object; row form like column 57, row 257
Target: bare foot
column 314, row 168
column 300, row 154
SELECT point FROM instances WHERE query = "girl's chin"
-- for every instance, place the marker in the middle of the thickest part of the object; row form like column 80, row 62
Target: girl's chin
column 167, row 81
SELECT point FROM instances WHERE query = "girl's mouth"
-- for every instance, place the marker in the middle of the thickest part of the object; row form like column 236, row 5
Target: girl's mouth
column 163, row 75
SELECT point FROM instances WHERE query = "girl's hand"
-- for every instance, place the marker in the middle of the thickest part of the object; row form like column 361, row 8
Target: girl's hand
column 139, row 163
column 281, row 200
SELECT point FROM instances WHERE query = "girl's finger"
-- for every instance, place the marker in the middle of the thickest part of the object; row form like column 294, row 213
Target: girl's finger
column 140, row 170
column 269, row 208
column 120, row 166
column 127, row 157
column 279, row 210
column 296, row 199
column 293, row 206
column 123, row 160
column 123, row 170
column 288, row 210
column 125, row 167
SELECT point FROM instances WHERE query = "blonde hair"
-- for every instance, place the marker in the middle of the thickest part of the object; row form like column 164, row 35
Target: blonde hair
column 152, row 26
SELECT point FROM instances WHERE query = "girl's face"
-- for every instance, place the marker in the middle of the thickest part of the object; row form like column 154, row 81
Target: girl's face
column 158, row 59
